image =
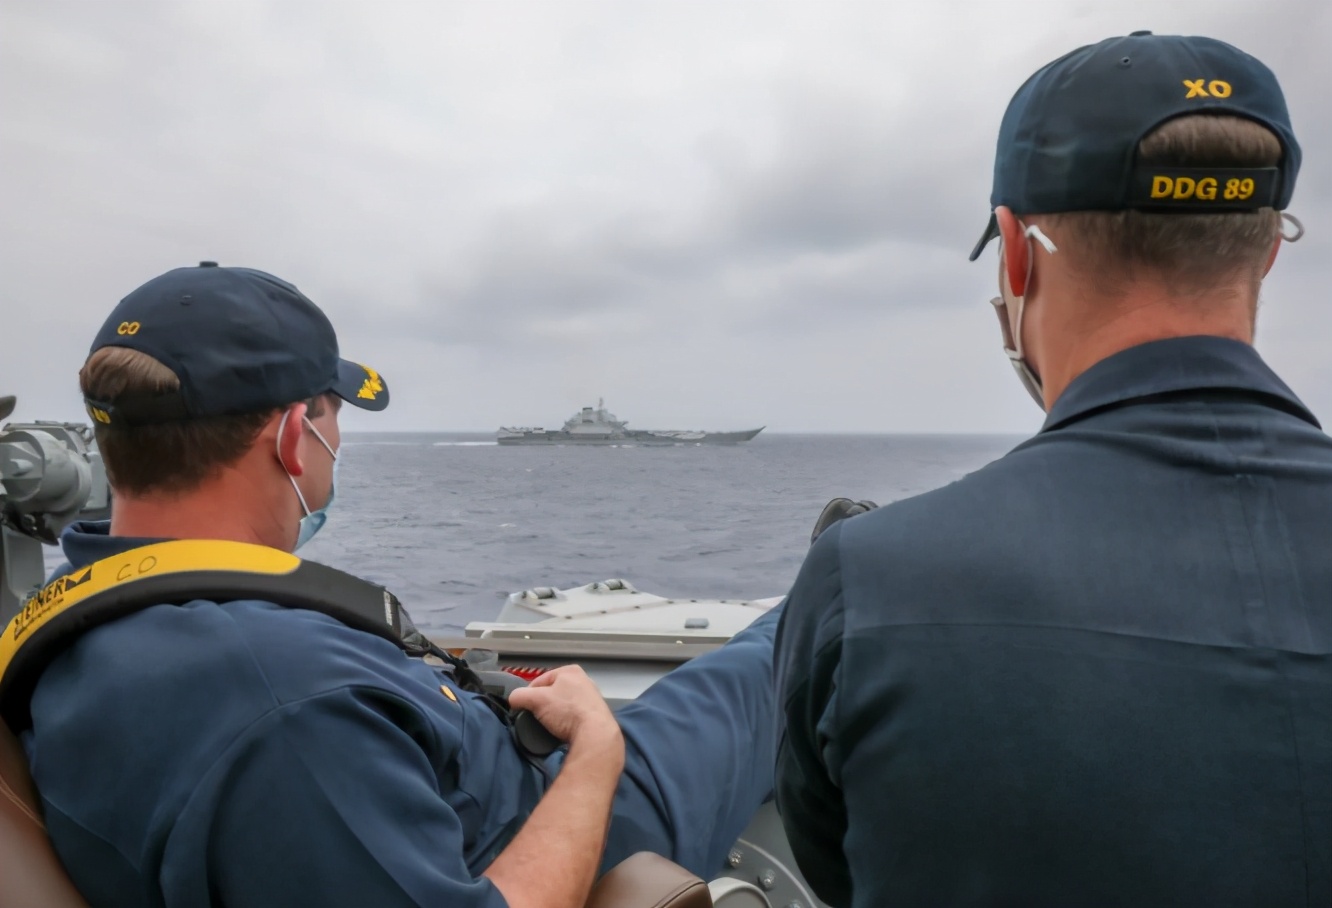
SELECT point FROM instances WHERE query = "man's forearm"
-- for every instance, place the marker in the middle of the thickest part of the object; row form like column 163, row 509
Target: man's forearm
column 553, row 860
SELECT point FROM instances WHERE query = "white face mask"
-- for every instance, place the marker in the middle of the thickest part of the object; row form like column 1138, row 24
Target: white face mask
column 313, row 521
column 1012, row 331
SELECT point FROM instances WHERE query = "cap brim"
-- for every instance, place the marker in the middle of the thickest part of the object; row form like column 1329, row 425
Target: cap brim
column 991, row 231
column 360, row 386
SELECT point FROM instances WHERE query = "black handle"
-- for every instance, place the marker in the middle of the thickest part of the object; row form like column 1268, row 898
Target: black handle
column 534, row 739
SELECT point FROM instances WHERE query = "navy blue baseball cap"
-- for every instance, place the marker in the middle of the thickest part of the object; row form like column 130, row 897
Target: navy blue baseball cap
column 239, row 340
column 1069, row 139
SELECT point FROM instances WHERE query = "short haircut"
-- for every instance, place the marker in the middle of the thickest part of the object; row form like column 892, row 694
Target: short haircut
column 1189, row 252
column 168, row 457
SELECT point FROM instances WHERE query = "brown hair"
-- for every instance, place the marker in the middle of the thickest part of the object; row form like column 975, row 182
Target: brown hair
column 1189, row 252
column 171, row 456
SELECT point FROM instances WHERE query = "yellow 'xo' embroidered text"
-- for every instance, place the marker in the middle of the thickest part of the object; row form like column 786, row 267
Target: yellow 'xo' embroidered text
column 1201, row 88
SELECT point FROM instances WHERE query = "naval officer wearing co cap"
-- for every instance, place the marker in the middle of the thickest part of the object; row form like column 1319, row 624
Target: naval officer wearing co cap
column 1099, row 670
column 240, row 752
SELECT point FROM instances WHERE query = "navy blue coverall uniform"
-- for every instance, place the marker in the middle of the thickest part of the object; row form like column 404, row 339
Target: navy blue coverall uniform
column 248, row 754
column 1095, row 672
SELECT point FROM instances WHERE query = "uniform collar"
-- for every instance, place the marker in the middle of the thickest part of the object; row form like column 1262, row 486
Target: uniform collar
column 1166, row 366
column 86, row 541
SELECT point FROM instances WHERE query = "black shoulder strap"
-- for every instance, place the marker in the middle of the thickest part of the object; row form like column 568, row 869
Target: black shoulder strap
column 176, row 572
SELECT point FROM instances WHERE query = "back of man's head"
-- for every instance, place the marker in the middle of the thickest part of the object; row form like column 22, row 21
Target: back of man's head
column 189, row 368
column 1187, row 251
column 1161, row 158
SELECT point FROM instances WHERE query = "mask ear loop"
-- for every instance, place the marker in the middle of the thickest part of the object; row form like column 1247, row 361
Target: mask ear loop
column 1035, row 233
column 299, row 497
column 1294, row 222
column 319, row 435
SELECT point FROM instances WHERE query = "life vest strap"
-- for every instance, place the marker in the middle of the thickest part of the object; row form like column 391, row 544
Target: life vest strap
column 174, row 573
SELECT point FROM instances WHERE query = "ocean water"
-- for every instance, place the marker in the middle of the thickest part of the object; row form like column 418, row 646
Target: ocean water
column 454, row 523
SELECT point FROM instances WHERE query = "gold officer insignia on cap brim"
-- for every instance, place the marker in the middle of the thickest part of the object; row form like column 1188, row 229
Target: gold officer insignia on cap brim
column 372, row 386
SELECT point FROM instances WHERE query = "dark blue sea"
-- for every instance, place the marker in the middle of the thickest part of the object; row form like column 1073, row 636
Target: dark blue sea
column 453, row 523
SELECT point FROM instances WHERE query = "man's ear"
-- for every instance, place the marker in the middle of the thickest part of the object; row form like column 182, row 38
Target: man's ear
column 289, row 434
column 1271, row 256
column 1014, row 249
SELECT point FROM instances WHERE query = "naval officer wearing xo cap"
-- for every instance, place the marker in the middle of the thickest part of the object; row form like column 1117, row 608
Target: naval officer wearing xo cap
column 1097, row 671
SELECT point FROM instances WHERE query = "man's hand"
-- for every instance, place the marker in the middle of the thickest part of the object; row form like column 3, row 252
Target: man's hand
column 571, row 708
column 553, row 860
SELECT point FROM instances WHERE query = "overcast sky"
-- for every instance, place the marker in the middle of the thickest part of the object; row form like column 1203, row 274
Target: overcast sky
column 715, row 215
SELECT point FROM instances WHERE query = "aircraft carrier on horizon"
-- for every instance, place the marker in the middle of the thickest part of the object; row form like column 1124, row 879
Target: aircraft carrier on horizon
column 598, row 426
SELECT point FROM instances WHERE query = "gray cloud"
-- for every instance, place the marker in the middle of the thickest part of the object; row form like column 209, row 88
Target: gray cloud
column 711, row 217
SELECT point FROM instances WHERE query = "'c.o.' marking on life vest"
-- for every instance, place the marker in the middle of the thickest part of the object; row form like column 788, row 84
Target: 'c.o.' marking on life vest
column 128, row 569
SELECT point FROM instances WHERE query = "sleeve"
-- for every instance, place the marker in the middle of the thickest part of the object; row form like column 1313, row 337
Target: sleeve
column 330, row 800
column 807, row 664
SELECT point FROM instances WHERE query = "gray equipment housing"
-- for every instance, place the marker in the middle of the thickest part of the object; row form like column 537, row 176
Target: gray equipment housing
column 51, row 474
